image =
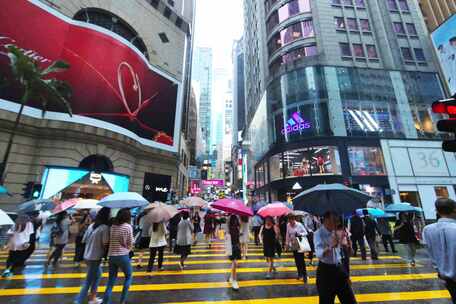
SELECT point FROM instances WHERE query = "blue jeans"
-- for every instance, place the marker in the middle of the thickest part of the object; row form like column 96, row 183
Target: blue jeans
column 115, row 262
column 92, row 280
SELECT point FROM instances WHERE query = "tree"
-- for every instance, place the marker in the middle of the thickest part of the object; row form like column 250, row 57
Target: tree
column 37, row 84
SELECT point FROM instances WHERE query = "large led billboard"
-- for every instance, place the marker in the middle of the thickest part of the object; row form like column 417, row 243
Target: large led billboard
column 114, row 86
column 444, row 39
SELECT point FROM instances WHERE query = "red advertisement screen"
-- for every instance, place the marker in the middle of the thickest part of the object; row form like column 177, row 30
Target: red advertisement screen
column 112, row 83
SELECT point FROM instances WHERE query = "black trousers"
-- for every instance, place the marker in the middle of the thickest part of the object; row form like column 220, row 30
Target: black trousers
column 79, row 249
column 310, row 238
column 359, row 242
column 300, row 264
column 256, row 233
column 57, row 253
column 387, row 238
column 333, row 281
column 451, row 286
column 153, row 253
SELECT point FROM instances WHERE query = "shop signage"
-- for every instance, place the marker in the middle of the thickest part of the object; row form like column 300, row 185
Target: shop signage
column 214, row 182
column 295, row 124
column 113, row 85
column 156, row 187
column 195, row 186
column 95, row 178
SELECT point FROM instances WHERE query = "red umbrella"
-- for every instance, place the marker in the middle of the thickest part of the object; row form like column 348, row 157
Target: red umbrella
column 233, row 206
column 274, row 209
column 65, row 205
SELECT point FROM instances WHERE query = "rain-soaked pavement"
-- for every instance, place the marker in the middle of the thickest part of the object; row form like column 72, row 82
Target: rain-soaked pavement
column 388, row 280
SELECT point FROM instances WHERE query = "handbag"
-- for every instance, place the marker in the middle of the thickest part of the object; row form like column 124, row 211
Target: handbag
column 304, row 245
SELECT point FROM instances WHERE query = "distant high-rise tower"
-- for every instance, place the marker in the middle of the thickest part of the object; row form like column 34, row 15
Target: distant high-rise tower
column 202, row 73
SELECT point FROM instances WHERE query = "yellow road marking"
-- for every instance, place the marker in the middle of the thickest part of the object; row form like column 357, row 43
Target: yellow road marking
column 362, row 298
column 195, row 272
column 210, row 285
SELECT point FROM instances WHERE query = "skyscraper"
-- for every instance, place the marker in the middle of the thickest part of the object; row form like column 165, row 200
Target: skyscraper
column 340, row 91
column 202, row 73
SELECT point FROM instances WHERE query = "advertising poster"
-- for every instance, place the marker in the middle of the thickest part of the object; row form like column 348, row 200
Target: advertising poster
column 156, row 187
column 114, row 86
column 444, row 39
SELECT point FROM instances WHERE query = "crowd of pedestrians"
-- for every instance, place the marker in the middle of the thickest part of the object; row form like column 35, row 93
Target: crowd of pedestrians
column 332, row 238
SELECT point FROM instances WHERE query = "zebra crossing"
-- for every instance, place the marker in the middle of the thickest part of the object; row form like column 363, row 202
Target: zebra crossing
column 204, row 280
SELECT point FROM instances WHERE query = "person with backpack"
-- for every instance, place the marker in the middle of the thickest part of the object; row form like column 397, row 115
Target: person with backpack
column 96, row 241
column 18, row 244
column 60, row 234
column 120, row 246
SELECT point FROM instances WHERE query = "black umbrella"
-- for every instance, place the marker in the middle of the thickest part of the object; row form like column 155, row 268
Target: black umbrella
column 330, row 197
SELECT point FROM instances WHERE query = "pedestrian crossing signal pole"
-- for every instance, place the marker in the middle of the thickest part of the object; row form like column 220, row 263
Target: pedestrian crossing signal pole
column 447, row 106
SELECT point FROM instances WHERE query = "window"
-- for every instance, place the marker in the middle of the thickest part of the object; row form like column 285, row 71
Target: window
column 358, row 50
column 352, row 24
column 366, row 161
column 347, row 2
column 360, row 3
column 403, row 5
column 167, row 12
column 312, row 161
column 345, row 49
column 340, row 23
column 406, row 54
column 336, row 2
column 287, row 11
column 171, row 2
column 371, row 51
column 419, row 54
column 365, row 26
column 411, row 30
column 291, row 33
column 399, row 28
column 276, row 167
column 392, row 5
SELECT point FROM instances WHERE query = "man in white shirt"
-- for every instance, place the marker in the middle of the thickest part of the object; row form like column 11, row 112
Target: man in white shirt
column 440, row 239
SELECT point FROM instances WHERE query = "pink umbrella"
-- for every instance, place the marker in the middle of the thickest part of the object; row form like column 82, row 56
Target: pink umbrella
column 274, row 209
column 233, row 206
column 65, row 205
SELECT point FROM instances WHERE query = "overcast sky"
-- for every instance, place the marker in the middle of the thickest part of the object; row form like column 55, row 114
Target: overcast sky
column 218, row 23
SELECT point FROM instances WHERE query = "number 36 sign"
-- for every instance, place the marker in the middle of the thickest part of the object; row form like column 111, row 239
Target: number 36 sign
column 428, row 162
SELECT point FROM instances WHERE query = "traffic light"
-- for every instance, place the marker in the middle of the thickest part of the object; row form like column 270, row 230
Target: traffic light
column 447, row 106
column 36, row 190
column 27, row 190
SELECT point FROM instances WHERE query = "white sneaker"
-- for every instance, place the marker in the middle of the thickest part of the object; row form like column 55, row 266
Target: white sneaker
column 230, row 280
column 96, row 301
column 234, row 285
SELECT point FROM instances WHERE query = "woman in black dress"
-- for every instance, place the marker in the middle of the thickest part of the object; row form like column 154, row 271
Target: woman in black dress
column 234, row 232
column 196, row 226
column 269, row 235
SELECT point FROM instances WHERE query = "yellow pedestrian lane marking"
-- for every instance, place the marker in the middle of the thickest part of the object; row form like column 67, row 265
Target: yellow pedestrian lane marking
column 361, row 298
column 197, row 272
column 210, row 285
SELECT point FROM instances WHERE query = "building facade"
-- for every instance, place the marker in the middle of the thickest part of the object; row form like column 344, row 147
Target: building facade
column 202, row 74
column 435, row 12
column 344, row 81
column 96, row 152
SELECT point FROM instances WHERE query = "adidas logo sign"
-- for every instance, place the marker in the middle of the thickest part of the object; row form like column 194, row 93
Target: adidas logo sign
column 295, row 124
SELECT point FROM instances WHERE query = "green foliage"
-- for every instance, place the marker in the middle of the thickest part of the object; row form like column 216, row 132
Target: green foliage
column 37, row 83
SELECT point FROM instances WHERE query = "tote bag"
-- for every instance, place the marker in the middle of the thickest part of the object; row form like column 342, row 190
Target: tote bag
column 304, row 245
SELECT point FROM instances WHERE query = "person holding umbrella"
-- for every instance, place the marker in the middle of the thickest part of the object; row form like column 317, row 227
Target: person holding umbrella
column 82, row 223
column 269, row 235
column 357, row 231
column 184, row 238
column 234, row 248
column 294, row 232
column 18, row 244
column 157, row 244
column 196, row 219
column 209, row 227
column 60, row 233
column 332, row 279
column 385, row 230
column 144, row 234
column 96, row 240
column 120, row 245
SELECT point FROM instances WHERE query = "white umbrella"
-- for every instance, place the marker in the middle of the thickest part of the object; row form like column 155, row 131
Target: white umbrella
column 123, row 200
column 87, row 204
column 193, row 201
column 5, row 220
column 161, row 213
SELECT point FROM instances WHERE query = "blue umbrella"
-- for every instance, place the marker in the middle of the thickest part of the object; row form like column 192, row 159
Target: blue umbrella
column 372, row 211
column 330, row 197
column 123, row 200
column 387, row 215
column 400, row 207
column 36, row 205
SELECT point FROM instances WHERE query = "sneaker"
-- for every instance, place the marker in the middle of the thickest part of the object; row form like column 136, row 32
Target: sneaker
column 299, row 278
column 413, row 264
column 274, row 270
column 96, row 301
column 235, row 285
column 230, row 279
column 181, row 267
column 268, row 275
column 139, row 266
